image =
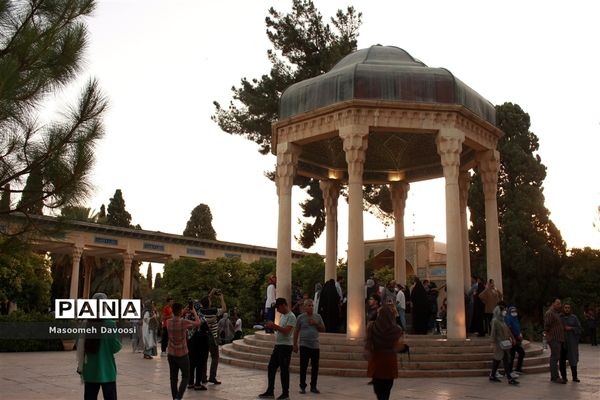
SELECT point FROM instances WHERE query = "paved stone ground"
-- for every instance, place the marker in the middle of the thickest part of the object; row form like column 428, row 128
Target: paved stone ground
column 51, row 375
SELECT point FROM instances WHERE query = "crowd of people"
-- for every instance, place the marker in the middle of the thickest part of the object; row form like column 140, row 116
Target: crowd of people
column 189, row 333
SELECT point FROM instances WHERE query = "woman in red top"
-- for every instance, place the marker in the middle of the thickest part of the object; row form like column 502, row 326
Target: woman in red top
column 382, row 344
column 167, row 313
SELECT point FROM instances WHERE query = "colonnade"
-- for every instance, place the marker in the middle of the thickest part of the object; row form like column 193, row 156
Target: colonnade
column 88, row 265
column 449, row 143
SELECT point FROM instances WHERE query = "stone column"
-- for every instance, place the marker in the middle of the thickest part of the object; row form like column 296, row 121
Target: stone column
column 76, row 256
column 355, row 139
column 464, row 181
column 287, row 160
column 449, row 146
column 489, row 165
column 399, row 191
column 127, row 261
column 88, row 265
column 331, row 192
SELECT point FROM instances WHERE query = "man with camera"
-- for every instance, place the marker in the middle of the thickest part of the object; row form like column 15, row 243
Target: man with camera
column 212, row 314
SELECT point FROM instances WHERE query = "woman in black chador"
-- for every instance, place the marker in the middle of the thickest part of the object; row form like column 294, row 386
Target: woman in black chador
column 420, row 308
column 477, row 323
column 329, row 306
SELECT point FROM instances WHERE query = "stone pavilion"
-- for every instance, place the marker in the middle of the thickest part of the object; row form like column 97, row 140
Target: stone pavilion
column 380, row 116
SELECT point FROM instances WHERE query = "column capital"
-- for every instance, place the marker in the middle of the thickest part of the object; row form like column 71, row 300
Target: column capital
column 449, row 147
column 287, row 162
column 464, row 183
column 76, row 253
column 331, row 192
column 355, row 143
column 488, row 163
column 398, row 193
column 127, row 259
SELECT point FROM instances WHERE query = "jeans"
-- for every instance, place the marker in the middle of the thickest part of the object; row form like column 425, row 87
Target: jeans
column 555, row 347
column 269, row 316
column 213, row 349
column 487, row 322
column 382, row 388
column 402, row 316
column 517, row 349
column 307, row 353
column 91, row 390
column 164, row 339
column 505, row 362
column 280, row 358
column 175, row 364
column 198, row 354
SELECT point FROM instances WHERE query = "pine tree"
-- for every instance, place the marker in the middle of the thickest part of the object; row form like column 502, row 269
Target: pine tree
column 531, row 246
column 117, row 215
column 42, row 44
column 304, row 46
column 200, row 224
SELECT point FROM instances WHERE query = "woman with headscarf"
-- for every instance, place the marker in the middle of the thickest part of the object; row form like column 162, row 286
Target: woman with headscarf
column 225, row 328
column 329, row 306
column 420, row 308
column 149, row 327
column 96, row 361
column 513, row 323
column 502, row 342
column 477, row 320
column 318, row 289
column 382, row 344
column 570, row 350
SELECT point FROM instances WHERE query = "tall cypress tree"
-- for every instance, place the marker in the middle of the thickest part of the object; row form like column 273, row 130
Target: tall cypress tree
column 531, row 246
column 149, row 276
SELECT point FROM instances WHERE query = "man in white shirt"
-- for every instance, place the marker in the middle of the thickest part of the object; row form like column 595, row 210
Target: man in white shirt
column 401, row 306
column 338, row 287
column 270, row 302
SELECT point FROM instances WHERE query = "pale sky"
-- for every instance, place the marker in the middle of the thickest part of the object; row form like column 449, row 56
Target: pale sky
column 162, row 63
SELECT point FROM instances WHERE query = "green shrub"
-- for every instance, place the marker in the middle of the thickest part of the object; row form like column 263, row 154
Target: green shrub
column 20, row 345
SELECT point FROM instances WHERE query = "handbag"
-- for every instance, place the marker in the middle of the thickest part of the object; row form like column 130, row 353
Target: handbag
column 505, row 344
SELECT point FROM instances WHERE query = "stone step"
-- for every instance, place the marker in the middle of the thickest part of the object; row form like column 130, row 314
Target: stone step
column 439, row 346
column 362, row 373
column 404, row 362
column 416, row 354
column 431, row 356
column 425, row 340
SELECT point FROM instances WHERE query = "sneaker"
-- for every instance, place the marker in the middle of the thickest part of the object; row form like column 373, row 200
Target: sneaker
column 200, row 387
column 520, row 371
column 513, row 375
column 314, row 390
column 284, row 396
column 302, row 391
column 190, row 386
column 266, row 395
column 214, row 381
column 370, row 382
column 513, row 382
column 558, row 380
column 494, row 379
